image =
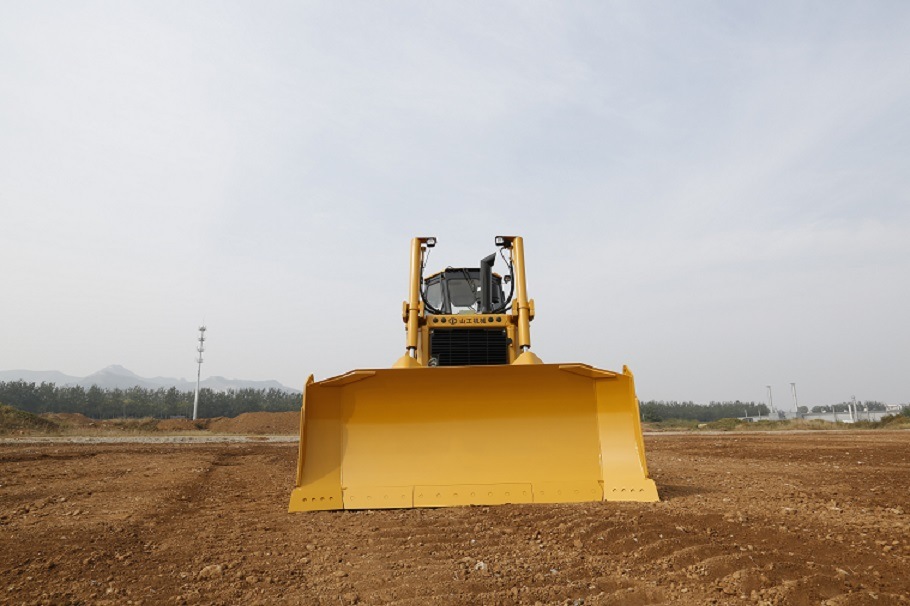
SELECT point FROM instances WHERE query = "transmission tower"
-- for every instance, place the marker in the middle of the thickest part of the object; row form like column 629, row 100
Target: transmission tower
column 200, row 348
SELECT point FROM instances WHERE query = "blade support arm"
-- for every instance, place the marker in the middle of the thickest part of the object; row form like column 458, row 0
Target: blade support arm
column 521, row 286
column 412, row 308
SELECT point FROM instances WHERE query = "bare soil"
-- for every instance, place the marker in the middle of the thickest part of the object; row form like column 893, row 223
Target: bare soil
column 787, row 518
column 255, row 423
column 15, row 422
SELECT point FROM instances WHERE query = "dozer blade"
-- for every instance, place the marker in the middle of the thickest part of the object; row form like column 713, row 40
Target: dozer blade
column 470, row 435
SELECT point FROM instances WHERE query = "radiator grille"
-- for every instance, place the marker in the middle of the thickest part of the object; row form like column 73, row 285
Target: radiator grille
column 468, row 347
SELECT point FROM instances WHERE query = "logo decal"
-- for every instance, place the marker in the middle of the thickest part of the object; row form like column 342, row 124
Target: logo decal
column 468, row 319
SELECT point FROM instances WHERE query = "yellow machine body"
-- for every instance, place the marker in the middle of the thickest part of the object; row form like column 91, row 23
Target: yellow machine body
column 518, row 432
column 484, row 435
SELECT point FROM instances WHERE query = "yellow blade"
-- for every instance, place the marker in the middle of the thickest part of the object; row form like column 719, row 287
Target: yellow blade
column 470, row 435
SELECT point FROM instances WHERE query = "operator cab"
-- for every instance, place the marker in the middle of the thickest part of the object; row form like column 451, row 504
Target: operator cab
column 459, row 291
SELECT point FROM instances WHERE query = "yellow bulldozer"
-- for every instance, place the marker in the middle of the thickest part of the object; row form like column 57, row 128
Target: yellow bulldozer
column 469, row 415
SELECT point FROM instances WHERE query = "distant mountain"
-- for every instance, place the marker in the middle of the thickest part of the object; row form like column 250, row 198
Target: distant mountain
column 114, row 377
column 118, row 377
column 38, row 376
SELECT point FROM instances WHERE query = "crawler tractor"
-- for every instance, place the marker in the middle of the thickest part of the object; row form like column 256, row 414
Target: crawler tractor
column 469, row 415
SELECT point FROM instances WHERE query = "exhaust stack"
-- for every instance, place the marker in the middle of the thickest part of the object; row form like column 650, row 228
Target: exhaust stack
column 486, row 283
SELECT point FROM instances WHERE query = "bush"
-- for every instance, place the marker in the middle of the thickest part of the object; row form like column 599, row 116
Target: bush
column 725, row 424
column 13, row 420
column 651, row 417
column 894, row 421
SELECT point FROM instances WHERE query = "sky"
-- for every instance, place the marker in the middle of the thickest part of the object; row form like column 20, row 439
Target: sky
column 716, row 194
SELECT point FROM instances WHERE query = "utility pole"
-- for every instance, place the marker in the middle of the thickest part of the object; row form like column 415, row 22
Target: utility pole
column 770, row 403
column 795, row 401
column 853, row 412
column 200, row 349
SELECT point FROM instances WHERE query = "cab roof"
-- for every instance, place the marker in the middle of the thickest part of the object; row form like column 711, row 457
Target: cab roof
column 475, row 269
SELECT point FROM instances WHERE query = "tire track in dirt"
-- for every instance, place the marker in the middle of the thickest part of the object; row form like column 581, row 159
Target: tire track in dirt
column 102, row 503
column 744, row 519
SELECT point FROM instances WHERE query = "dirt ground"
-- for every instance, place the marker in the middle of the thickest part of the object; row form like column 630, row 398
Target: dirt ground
column 795, row 518
column 17, row 423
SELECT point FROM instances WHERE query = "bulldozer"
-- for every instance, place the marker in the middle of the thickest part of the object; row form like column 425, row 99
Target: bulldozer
column 469, row 415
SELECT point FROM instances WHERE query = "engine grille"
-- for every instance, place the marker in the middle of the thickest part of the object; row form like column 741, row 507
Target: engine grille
column 468, row 347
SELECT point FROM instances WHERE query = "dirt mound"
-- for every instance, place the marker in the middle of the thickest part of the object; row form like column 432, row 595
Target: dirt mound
column 70, row 419
column 129, row 425
column 262, row 423
column 182, row 425
column 13, row 420
column 254, row 423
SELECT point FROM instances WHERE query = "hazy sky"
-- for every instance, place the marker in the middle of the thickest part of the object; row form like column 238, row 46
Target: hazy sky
column 714, row 193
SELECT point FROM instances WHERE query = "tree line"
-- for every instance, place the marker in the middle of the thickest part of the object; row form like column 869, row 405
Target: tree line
column 656, row 411
column 162, row 403
column 140, row 402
